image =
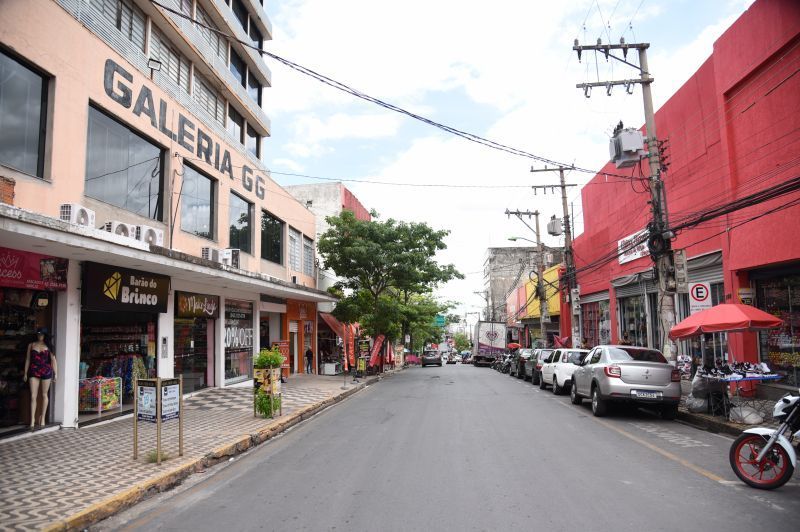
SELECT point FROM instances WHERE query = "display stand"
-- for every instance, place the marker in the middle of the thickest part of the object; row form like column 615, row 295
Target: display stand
column 157, row 400
column 728, row 403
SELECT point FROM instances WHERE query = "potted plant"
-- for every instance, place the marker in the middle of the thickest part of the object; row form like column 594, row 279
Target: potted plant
column 267, row 372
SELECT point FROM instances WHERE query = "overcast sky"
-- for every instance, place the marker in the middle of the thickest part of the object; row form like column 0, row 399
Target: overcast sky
column 503, row 69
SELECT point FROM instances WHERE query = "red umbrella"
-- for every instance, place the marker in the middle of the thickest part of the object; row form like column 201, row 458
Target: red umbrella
column 727, row 317
column 514, row 346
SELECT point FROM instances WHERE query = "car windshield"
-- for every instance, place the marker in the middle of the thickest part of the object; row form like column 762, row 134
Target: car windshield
column 575, row 357
column 622, row 354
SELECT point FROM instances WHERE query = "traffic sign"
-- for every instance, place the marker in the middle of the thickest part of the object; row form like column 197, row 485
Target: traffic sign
column 699, row 297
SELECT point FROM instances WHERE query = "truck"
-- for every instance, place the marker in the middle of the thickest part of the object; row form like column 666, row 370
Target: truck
column 489, row 342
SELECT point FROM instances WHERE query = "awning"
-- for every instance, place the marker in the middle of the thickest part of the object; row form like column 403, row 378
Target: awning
column 335, row 325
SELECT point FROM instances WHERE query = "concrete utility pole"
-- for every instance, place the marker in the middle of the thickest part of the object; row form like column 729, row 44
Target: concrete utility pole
column 540, row 289
column 569, row 260
column 659, row 241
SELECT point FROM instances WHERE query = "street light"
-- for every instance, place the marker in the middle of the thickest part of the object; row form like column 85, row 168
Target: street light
column 515, row 238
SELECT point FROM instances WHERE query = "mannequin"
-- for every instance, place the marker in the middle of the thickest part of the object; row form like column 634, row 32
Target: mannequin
column 40, row 371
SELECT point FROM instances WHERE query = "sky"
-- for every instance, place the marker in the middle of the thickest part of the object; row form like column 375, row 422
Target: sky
column 504, row 70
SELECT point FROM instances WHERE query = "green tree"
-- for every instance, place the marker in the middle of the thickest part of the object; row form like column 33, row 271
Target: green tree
column 461, row 342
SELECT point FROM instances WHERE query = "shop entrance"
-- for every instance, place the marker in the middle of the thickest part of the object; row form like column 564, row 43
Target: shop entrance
column 194, row 352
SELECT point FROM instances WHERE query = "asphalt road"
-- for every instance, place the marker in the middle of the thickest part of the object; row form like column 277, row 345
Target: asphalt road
column 465, row 448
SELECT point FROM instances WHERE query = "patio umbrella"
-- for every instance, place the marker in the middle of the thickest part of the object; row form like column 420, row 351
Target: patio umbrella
column 514, row 346
column 727, row 317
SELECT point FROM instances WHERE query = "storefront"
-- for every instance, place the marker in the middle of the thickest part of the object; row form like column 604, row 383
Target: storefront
column 301, row 317
column 637, row 304
column 777, row 291
column 238, row 341
column 595, row 319
column 330, row 343
column 29, row 284
column 195, row 320
column 119, row 328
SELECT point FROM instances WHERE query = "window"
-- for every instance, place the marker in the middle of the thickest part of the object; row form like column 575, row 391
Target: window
column 174, row 65
column 626, row 354
column 254, row 88
column 218, row 44
column 123, row 168
column 256, row 39
column 294, row 249
column 23, row 114
column 239, row 217
column 197, row 203
column 253, row 141
column 208, row 98
column 186, row 7
column 238, row 68
column 125, row 16
column 235, row 124
column 271, row 238
column 633, row 319
column 240, row 12
column 308, row 256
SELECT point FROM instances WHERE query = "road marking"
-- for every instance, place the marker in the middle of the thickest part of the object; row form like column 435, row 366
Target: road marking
column 666, row 454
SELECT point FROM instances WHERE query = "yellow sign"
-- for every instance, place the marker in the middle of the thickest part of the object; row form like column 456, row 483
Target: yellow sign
column 111, row 286
column 362, row 364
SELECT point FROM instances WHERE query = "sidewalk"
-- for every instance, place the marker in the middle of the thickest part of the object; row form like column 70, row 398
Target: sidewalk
column 71, row 478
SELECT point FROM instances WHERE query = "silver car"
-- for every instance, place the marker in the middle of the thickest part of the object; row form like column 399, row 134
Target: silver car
column 623, row 373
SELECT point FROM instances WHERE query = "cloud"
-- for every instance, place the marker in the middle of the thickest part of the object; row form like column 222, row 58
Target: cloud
column 342, row 126
column 288, row 164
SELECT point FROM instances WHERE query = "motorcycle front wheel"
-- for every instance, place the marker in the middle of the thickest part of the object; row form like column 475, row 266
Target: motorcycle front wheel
column 773, row 472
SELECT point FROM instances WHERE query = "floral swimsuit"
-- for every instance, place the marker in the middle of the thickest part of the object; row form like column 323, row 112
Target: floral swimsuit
column 40, row 366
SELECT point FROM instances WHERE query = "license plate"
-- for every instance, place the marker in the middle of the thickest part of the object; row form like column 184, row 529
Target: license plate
column 641, row 394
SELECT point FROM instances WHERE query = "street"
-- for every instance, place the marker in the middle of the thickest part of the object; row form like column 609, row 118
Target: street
column 465, row 448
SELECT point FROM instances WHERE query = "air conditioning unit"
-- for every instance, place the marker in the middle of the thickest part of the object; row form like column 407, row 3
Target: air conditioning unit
column 120, row 228
column 76, row 214
column 150, row 235
column 626, row 148
column 230, row 257
column 212, row 254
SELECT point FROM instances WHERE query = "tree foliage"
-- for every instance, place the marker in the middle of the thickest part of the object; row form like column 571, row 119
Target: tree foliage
column 461, row 342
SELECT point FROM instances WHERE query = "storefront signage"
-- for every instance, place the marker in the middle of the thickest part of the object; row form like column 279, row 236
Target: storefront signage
column 170, row 400
column 238, row 325
column 121, row 289
column 119, row 86
column 699, row 297
column 31, row 271
column 283, row 347
column 746, row 296
column 628, row 251
column 188, row 305
column 146, row 402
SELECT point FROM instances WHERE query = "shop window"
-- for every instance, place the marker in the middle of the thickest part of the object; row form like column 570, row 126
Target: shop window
column 218, row 44
column 235, row 124
column 125, row 16
column 294, row 249
column 238, row 341
column 780, row 347
column 253, row 141
column 174, row 65
column 23, row 115
column 633, row 319
column 197, row 203
column 655, row 323
column 238, row 68
column 211, row 102
column 239, row 219
column 308, row 256
column 122, row 167
column 595, row 323
column 271, row 238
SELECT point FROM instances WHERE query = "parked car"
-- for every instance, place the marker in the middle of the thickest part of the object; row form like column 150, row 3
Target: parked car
column 431, row 358
column 522, row 363
column 559, row 367
column 535, row 363
column 627, row 374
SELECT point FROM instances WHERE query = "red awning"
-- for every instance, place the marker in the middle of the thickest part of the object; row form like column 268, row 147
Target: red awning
column 335, row 325
column 727, row 317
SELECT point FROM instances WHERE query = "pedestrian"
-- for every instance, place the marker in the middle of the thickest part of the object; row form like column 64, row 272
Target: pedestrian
column 625, row 339
column 309, row 361
column 585, row 343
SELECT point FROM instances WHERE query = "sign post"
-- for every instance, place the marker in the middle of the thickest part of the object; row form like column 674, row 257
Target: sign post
column 157, row 401
column 699, row 297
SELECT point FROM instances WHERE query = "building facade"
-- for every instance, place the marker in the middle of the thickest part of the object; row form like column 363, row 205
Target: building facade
column 733, row 129
column 139, row 225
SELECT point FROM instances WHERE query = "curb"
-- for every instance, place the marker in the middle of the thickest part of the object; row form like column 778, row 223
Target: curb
column 169, row 479
column 709, row 424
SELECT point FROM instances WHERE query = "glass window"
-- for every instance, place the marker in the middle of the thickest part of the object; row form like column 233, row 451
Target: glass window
column 208, row 98
column 780, row 347
column 239, row 218
column 238, row 68
column 633, row 319
column 254, row 88
column 294, row 249
column 253, row 141
column 174, row 65
column 623, row 354
column 218, row 44
column 235, row 124
column 123, row 168
column 238, row 341
column 271, row 238
column 256, row 39
column 240, row 12
column 197, row 203
column 125, row 16
column 308, row 256
column 23, row 95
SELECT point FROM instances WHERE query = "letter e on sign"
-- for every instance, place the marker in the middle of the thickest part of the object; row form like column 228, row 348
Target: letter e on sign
column 699, row 297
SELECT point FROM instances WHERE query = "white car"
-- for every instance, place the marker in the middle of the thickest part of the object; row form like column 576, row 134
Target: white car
column 559, row 367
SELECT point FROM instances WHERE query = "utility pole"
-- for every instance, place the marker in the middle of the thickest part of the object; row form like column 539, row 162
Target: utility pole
column 485, row 295
column 660, row 236
column 540, row 289
column 569, row 260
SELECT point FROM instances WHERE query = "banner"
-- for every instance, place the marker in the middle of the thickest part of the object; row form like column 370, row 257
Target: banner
column 20, row 269
column 351, row 344
column 374, row 356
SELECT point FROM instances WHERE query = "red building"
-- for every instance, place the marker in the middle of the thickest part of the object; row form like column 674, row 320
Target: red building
column 733, row 129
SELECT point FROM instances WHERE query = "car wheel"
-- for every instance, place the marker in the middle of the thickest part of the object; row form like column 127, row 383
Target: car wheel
column 535, row 377
column 599, row 405
column 556, row 387
column 574, row 398
column 542, row 384
column 669, row 412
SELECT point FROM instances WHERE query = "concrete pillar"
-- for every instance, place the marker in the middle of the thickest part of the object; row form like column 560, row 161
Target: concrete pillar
column 165, row 342
column 64, row 407
column 219, row 371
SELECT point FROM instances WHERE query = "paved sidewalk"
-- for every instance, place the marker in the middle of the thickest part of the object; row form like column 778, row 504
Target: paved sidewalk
column 71, row 478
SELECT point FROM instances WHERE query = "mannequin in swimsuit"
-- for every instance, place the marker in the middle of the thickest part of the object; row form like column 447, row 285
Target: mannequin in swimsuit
column 40, row 371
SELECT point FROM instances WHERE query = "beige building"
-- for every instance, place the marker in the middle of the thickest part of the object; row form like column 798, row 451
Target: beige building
column 138, row 224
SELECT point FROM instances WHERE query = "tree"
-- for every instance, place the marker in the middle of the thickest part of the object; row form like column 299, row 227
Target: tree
column 461, row 342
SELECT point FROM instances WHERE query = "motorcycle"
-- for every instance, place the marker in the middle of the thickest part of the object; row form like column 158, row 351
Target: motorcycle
column 765, row 458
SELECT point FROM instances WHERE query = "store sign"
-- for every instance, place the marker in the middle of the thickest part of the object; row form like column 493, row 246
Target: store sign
column 283, row 347
column 628, row 251
column 120, row 87
column 146, row 403
column 746, row 296
column 699, row 297
column 238, row 325
column 31, row 271
column 188, row 305
column 120, row 289
column 170, row 400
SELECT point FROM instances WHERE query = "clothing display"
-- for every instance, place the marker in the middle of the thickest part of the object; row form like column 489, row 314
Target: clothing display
column 738, row 371
column 40, row 367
